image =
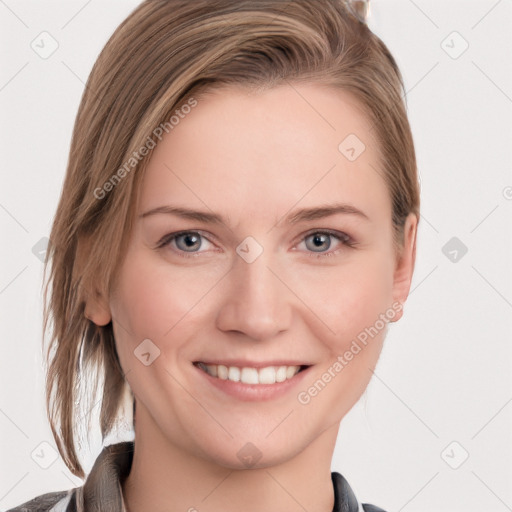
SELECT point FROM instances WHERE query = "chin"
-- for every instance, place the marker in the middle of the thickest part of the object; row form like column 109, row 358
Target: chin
column 258, row 453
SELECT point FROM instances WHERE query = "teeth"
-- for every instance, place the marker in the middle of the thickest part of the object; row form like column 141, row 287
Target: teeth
column 234, row 374
column 267, row 375
column 222, row 371
column 212, row 369
column 247, row 375
column 281, row 374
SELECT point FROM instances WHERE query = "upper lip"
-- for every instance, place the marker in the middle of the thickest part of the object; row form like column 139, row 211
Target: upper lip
column 241, row 363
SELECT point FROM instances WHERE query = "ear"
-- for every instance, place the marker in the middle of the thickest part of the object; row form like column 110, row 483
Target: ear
column 96, row 303
column 405, row 264
column 97, row 309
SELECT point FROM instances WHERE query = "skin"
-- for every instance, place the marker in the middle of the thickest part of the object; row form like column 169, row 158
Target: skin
column 253, row 158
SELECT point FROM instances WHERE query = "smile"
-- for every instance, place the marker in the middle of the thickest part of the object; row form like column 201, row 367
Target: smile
column 251, row 375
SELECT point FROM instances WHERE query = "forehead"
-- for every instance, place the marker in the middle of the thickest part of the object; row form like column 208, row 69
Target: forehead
column 263, row 152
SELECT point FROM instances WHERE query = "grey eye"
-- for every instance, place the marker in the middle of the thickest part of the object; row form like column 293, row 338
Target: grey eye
column 320, row 242
column 191, row 242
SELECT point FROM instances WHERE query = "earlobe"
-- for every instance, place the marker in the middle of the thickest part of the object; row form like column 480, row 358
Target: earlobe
column 405, row 264
column 97, row 310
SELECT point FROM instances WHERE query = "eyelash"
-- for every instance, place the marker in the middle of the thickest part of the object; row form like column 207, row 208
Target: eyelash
column 346, row 241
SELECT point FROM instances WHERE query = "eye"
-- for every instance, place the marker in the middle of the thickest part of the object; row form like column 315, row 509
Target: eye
column 319, row 242
column 185, row 242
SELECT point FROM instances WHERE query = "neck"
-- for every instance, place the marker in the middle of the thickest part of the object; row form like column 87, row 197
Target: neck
column 165, row 477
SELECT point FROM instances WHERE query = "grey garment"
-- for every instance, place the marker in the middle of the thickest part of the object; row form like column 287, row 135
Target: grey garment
column 102, row 489
column 43, row 503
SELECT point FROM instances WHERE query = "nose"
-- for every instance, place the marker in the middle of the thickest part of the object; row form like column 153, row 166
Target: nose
column 255, row 301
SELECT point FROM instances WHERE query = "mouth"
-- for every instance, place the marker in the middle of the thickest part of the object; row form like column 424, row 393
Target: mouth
column 250, row 374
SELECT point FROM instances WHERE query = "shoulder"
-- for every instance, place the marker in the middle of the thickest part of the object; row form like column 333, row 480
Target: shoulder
column 103, row 482
column 371, row 508
column 344, row 498
column 49, row 502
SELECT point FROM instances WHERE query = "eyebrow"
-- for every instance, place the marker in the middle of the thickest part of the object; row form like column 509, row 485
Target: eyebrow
column 304, row 214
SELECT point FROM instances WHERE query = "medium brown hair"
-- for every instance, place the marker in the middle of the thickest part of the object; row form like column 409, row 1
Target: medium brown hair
column 165, row 53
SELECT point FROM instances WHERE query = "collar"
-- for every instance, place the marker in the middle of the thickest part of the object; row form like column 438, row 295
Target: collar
column 102, row 489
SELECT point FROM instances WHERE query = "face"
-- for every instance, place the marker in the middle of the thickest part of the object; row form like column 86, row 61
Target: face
column 289, row 264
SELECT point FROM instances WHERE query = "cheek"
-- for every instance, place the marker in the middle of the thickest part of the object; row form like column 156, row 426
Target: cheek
column 346, row 299
column 151, row 301
column 354, row 301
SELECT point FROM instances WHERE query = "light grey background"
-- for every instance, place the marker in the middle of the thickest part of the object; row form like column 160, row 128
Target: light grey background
column 442, row 389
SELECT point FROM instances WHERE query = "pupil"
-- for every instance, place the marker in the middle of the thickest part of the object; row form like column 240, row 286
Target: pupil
column 319, row 240
column 191, row 240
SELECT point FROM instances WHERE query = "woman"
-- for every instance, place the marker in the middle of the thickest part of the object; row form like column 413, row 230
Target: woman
column 236, row 229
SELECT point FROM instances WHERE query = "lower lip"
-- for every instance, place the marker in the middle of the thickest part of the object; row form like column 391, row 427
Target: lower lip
column 254, row 392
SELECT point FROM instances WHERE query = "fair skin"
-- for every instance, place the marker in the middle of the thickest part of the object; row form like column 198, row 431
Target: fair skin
column 254, row 159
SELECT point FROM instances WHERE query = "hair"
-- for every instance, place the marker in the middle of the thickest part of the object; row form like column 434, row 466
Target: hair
column 160, row 59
